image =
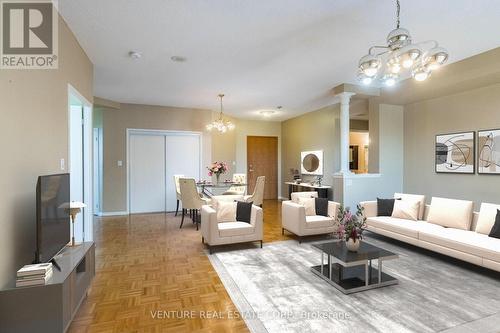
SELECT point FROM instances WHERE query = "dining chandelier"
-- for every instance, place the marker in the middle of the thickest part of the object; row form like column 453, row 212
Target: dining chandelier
column 220, row 123
column 387, row 63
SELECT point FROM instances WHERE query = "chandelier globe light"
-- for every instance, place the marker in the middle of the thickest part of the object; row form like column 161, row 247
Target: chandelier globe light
column 220, row 124
column 388, row 63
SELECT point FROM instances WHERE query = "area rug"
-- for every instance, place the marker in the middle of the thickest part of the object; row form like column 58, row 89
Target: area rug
column 275, row 291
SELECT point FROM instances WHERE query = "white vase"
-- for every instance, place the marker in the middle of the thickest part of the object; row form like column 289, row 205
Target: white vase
column 353, row 245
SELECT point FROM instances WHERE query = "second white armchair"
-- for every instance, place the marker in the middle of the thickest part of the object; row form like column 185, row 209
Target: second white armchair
column 302, row 221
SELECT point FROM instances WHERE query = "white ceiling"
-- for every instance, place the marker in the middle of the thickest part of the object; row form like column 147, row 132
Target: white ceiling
column 260, row 53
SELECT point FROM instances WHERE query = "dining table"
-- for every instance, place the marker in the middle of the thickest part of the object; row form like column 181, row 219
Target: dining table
column 210, row 189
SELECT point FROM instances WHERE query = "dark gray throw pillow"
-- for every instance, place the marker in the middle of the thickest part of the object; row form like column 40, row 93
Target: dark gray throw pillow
column 385, row 207
column 321, row 206
column 495, row 231
column 243, row 211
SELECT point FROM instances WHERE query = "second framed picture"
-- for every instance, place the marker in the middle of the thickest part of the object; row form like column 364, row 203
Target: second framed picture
column 455, row 153
column 488, row 161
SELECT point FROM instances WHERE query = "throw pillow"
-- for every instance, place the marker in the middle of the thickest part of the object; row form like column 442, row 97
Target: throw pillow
column 385, row 207
column 226, row 211
column 321, row 206
column 495, row 231
column 243, row 211
column 309, row 204
column 407, row 210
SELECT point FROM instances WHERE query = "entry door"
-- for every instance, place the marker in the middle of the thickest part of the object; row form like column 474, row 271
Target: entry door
column 262, row 160
column 147, row 173
column 182, row 155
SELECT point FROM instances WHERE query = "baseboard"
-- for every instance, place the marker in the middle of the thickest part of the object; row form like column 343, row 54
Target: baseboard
column 112, row 213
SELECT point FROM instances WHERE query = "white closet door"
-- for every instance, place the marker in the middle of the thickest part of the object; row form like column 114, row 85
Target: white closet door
column 147, row 173
column 182, row 153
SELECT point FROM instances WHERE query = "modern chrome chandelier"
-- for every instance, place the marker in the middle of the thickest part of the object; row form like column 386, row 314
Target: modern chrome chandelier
column 386, row 63
column 220, row 124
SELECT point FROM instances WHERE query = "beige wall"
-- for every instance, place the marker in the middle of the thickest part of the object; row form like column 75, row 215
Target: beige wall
column 34, row 127
column 318, row 130
column 467, row 111
column 134, row 116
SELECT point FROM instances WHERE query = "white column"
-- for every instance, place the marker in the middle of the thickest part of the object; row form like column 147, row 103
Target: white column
column 345, row 97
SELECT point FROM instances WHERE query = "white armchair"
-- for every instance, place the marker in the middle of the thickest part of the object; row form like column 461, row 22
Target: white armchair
column 191, row 199
column 215, row 233
column 294, row 219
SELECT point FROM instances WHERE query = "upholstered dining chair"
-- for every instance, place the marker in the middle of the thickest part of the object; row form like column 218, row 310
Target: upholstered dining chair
column 235, row 189
column 177, row 191
column 257, row 197
column 191, row 199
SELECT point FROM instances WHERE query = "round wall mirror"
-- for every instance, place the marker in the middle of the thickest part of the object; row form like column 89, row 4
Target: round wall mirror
column 310, row 162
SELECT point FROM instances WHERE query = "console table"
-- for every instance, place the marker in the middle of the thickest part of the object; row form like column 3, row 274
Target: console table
column 50, row 307
column 294, row 187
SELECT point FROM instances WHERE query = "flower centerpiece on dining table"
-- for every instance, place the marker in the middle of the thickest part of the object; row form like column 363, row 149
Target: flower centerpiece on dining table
column 351, row 226
column 217, row 168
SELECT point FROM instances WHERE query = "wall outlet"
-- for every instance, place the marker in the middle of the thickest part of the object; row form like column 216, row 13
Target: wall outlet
column 62, row 164
column 119, row 163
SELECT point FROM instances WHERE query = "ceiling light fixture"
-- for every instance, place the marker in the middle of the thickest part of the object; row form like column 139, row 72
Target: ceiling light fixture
column 178, row 59
column 267, row 113
column 220, row 123
column 386, row 63
column 135, row 55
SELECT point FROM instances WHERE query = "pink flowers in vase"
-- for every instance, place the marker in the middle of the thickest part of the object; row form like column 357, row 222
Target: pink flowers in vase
column 217, row 168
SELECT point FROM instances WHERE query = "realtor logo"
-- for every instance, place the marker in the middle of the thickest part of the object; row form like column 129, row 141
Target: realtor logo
column 28, row 35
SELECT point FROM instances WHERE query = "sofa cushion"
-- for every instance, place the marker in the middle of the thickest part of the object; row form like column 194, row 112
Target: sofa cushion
column 321, row 206
column 495, row 231
column 226, row 211
column 230, row 229
column 406, row 210
column 243, row 211
column 385, row 207
column 296, row 195
column 318, row 221
column 401, row 226
column 451, row 213
column 465, row 241
column 309, row 204
column 413, row 197
column 486, row 219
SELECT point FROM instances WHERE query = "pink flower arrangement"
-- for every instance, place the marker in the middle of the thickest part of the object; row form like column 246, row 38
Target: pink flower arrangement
column 351, row 226
column 217, row 168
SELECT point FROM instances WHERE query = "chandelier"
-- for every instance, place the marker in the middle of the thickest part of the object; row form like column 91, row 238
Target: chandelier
column 220, row 124
column 386, row 63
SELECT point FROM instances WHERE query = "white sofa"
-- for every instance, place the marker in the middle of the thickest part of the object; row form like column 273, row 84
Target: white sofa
column 294, row 219
column 215, row 233
column 447, row 226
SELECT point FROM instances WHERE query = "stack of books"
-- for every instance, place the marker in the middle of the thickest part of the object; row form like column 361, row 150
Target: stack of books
column 34, row 275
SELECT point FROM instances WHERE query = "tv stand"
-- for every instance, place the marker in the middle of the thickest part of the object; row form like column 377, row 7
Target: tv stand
column 50, row 307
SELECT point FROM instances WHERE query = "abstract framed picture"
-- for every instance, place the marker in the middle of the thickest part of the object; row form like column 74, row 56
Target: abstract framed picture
column 455, row 153
column 488, row 161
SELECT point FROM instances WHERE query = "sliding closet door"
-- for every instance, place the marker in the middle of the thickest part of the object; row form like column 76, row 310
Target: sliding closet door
column 182, row 154
column 147, row 173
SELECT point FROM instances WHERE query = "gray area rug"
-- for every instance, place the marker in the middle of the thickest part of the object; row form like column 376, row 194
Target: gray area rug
column 275, row 291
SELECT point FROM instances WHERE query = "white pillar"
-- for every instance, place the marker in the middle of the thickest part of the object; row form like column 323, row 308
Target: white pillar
column 345, row 97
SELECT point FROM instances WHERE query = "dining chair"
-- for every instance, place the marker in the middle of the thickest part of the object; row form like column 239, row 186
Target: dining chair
column 191, row 199
column 235, row 189
column 257, row 197
column 177, row 191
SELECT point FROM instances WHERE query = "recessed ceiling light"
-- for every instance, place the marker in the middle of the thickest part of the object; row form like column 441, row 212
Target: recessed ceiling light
column 135, row 55
column 267, row 113
column 178, row 58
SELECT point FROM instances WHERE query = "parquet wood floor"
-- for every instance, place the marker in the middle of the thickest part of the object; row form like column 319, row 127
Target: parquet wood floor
column 145, row 263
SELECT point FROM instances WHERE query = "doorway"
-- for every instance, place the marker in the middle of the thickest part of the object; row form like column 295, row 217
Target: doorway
column 262, row 160
column 153, row 158
column 80, row 161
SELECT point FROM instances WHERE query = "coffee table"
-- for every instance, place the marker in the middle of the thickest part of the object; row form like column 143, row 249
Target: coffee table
column 352, row 272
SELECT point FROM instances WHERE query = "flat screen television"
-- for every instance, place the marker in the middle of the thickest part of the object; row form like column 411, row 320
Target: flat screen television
column 52, row 216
